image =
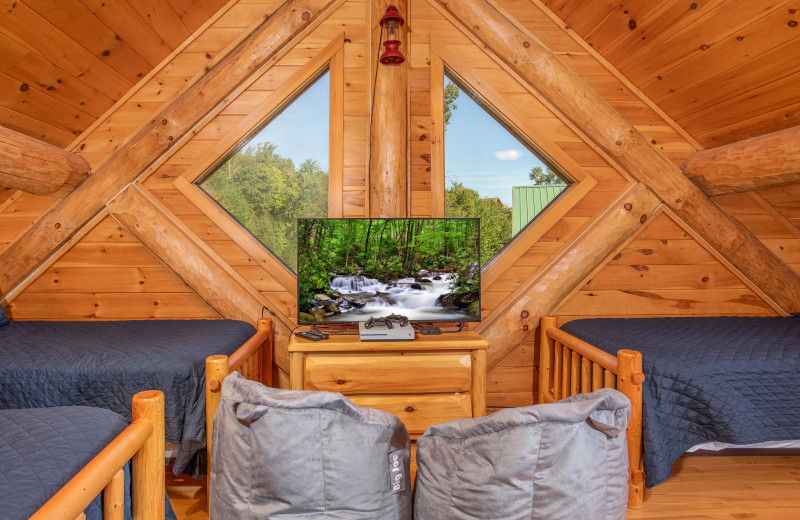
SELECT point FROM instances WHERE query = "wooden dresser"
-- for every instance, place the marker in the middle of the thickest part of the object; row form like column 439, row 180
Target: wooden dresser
column 429, row 380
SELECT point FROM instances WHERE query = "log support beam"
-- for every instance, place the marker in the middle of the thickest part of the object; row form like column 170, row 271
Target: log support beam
column 580, row 104
column 388, row 157
column 37, row 167
column 174, row 122
column 511, row 323
column 205, row 272
column 767, row 161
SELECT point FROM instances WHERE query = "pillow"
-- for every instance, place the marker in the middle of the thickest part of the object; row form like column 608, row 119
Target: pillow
column 3, row 317
column 291, row 454
column 559, row 461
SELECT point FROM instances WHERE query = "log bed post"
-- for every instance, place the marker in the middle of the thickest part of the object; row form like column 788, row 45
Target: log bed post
column 629, row 382
column 143, row 440
column 147, row 473
column 546, row 346
column 218, row 367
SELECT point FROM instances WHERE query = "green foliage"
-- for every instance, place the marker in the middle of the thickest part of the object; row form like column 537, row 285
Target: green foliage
column 266, row 194
column 384, row 249
column 460, row 201
column 451, row 93
column 540, row 177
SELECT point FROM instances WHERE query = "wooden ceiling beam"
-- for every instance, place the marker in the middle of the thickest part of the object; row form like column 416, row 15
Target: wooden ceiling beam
column 36, row 167
column 586, row 109
column 176, row 120
column 767, row 161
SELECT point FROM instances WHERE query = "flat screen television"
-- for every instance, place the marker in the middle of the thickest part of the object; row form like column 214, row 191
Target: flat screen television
column 350, row 270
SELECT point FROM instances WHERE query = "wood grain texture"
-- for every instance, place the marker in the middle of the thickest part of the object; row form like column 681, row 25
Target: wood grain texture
column 388, row 159
column 763, row 162
column 157, row 137
column 606, row 127
column 518, row 316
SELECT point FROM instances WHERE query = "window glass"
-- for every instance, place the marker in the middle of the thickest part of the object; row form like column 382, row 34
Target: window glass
column 279, row 174
column 491, row 172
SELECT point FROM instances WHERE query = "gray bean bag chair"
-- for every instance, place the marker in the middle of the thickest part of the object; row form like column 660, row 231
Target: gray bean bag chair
column 313, row 455
column 567, row 460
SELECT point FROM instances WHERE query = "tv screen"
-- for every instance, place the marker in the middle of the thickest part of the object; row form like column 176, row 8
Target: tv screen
column 350, row 270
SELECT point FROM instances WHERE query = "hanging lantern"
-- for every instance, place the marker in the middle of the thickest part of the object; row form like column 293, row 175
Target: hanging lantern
column 392, row 21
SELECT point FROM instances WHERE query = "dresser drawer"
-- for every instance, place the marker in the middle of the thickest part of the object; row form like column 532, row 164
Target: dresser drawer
column 388, row 373
column 420, row 411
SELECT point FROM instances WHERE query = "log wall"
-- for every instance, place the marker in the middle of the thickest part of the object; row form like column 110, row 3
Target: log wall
column 663, row 269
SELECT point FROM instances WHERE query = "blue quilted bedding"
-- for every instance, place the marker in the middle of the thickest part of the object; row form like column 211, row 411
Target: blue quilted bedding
column 726, row 379
column 41, row 449
column 103, row 364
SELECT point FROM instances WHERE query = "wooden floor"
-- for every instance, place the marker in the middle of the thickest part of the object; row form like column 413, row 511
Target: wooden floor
column 708, row 488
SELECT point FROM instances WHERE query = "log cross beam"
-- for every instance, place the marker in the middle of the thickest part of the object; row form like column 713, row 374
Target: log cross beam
column 509, row 325
column 37, row 167
column 767, row 161
column 156, row 137
column 598, row 120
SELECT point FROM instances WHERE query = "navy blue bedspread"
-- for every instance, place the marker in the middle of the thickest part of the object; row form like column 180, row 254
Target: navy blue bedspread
column 41, row 449
column 105, row 363
column 726, row 379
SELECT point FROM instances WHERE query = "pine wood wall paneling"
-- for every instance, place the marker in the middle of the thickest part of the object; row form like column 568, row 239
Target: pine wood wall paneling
column 631, row 151
column 708, row 30
column 169, row 127
column 691, row 58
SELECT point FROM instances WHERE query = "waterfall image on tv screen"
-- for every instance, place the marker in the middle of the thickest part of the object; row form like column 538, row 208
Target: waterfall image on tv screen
column 350, row 270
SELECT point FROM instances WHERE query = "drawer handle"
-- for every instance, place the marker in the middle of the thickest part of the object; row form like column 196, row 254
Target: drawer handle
column 409, row 409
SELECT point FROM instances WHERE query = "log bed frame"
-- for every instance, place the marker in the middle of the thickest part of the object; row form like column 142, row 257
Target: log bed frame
column 569, row 366
column 144, row 442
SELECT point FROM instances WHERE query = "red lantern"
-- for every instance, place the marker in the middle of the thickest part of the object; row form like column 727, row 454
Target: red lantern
column 392, row 21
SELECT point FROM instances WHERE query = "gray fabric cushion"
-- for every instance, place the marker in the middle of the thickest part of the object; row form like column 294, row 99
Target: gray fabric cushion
column 312, row 455
column 3, row 317
column 566, row 460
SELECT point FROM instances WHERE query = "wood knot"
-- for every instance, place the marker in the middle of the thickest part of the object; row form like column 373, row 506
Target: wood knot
column 632, row 25
column 643, row 219
column 704, row 47
column 305, row 16
column 628, row 206
column 340, row 381
column 619, row 143
column 524, row 314
column 106, row 52
column 58, row 225
column 163, row 121
column 527, row 45
column 409, row 409
column 24, row 87
column 213, row 384
column 637, row 477
column 525, row 327
column 792, row 23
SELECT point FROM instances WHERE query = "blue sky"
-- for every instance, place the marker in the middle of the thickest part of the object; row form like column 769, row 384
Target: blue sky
column 301, row 130
column 483, row 155
column 479, row 152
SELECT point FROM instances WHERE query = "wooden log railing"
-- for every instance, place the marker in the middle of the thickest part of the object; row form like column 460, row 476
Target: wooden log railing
column 253, row 360
column 142, row 441
column 569, row 366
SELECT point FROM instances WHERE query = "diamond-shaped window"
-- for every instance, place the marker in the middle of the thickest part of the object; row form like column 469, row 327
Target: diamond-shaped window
column 280, row 173
column 492, row 171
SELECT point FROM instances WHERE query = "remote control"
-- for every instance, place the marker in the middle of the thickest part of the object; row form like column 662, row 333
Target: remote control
column 310, row 334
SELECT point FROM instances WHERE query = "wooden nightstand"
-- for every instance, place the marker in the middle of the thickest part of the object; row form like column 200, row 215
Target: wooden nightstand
column 429, row 380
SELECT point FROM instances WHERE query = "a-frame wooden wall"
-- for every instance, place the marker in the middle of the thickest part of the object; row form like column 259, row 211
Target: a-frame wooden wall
column 608, row 246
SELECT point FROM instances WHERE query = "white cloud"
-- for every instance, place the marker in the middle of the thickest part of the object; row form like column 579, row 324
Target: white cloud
column 508, row 155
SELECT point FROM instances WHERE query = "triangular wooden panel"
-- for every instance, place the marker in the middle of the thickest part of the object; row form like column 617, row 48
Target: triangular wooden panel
column 664, row 271
column 108, row 275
